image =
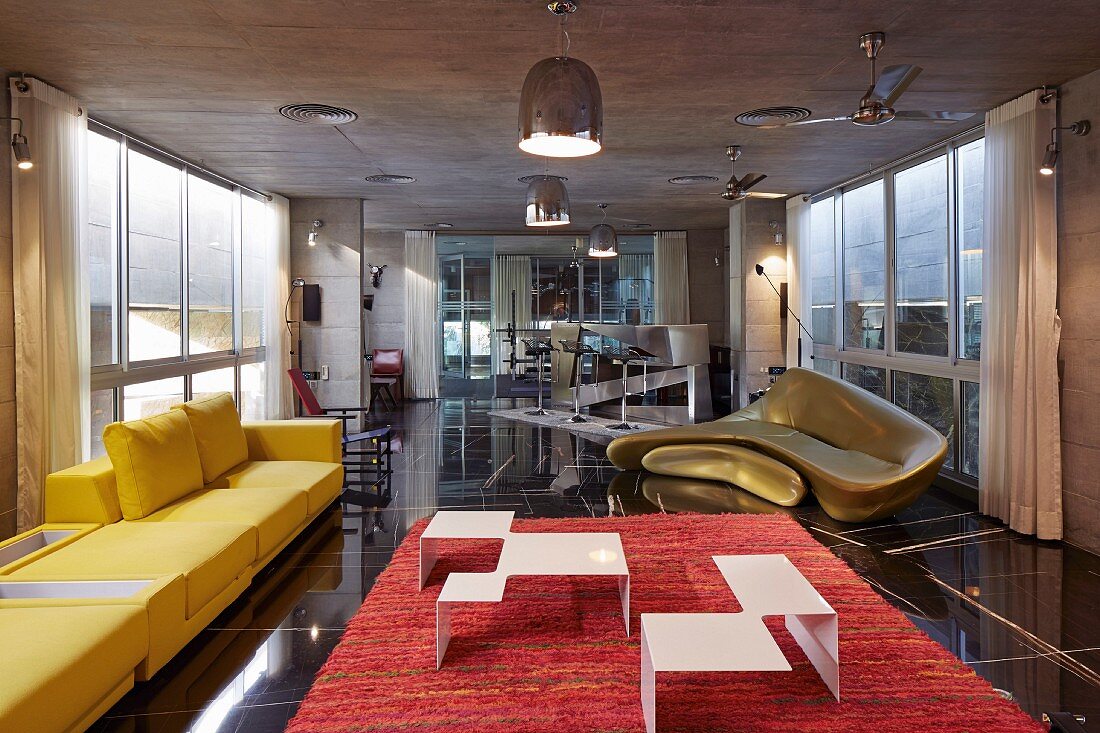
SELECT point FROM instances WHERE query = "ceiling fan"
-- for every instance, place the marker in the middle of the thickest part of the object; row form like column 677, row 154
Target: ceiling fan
column 877, row 105
column 737, row 190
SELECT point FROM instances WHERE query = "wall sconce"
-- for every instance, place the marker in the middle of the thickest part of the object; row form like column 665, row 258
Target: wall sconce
column 1050, row 158
column 778, row 236
column 317, row 224
column 19, row 147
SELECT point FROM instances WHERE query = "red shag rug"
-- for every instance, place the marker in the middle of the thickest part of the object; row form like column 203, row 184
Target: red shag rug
column 553, row 656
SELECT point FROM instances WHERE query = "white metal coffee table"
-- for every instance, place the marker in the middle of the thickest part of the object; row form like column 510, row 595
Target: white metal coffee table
column 765, row 585
column 523, row 553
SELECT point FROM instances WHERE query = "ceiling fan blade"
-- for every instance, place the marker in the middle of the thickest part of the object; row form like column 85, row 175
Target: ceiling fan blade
column 750, row 180
column 926, row 116
column 845, row 118
column 893, row 81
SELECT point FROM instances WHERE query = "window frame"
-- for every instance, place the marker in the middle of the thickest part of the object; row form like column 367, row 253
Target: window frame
column 124, row 372
column 953, row 366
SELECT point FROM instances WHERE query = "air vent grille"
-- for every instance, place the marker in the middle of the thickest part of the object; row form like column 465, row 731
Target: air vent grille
column 318, row 114
column 772, row 116
column 693, row 180
column 390, row 179
column 528, row 179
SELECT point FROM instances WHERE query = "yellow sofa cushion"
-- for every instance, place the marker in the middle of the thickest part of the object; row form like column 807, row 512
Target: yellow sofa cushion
column 210, row 556
column 275, row 512
column 84, row 493
column 321, row 482
column 218, row 433
column 156, row 462
column 63, row 661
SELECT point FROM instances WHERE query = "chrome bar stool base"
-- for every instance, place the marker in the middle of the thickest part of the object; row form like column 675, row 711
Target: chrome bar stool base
column 541, row 349
column 578, row 349
column 625, row 356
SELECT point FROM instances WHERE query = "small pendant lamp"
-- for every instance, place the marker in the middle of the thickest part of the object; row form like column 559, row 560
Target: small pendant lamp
column 561, row 106
column 547, row 202
column 603, row 240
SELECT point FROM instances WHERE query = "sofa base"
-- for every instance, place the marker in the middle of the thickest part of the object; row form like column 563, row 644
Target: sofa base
column 102, row 706
column 733, row 464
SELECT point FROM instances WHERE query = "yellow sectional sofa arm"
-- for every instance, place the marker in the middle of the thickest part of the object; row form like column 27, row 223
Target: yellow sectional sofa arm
column 26, row 547
column 294, row 440
column 84, row 494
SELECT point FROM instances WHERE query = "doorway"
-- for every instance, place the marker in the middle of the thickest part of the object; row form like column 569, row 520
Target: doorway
column 466, row 325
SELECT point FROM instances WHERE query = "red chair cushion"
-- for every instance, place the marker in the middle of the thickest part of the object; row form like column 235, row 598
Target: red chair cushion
column 389, row 361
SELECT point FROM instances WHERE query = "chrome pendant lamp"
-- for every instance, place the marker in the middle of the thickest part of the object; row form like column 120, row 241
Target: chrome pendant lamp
column 547, row 202
column 603, row 240
column 561, row 106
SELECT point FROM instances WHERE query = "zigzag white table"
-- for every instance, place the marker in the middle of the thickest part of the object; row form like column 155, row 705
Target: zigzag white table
column 524, row 553
column 765, row 585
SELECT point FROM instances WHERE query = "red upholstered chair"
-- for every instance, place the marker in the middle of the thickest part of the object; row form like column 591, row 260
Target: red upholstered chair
column 377, row 452
column 388, row 367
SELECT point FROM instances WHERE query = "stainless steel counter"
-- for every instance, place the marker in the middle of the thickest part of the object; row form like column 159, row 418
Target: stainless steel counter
column 678, row 355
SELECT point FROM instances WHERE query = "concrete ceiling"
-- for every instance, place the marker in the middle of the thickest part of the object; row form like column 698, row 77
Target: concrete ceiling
column 436, row 85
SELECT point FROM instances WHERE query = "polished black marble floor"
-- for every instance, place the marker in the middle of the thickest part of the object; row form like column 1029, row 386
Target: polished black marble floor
column 1021, row 612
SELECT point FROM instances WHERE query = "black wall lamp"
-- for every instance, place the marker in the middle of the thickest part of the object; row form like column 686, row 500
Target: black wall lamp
column 1050, row 158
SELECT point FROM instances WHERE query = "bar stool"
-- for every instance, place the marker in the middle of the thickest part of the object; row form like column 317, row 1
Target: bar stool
column 541, row 349
column 579, row 349
column 625, row 357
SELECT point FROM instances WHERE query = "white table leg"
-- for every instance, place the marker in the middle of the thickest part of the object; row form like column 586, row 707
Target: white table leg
column 649, row 685
column 818, row 635
column 429, row 553
column 624, row 596
column 442, row 631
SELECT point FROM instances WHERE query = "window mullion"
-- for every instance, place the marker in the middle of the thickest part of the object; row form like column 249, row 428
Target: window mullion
column 185, row 269
column 122, row 311
column 953, row 309
column 889, row 259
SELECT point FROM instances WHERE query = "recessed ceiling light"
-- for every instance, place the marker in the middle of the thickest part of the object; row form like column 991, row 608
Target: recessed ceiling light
column 390, row 179
column 318, row 114
column 692, row 180
column 526, row 180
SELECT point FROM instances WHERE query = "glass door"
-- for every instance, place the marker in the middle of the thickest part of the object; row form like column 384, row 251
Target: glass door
column 466, row 317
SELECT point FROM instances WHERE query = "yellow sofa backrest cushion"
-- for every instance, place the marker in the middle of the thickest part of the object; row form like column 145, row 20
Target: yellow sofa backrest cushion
column 156, row 462
column 218, row 433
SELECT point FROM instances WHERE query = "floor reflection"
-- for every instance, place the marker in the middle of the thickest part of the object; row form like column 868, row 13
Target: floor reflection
column 1019, row 611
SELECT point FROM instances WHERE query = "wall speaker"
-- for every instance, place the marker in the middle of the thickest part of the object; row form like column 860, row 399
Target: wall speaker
column 368, row 301
column 311, row 302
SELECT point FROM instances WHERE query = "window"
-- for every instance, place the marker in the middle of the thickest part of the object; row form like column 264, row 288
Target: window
column 872, row 379
column 102, row 247
column 864, row 267
column 920, row 258
column 931, row 399
column 210, row 268
column 908, row 271
column 970, row 163
column 177, row 265
column 155, row 258
column 823, row 271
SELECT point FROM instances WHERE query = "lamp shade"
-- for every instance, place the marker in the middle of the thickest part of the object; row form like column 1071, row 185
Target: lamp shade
column 547, row 202
column 603, row 241
column 561, row 109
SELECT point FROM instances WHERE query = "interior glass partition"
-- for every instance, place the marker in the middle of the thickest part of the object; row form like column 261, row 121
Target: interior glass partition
column 553, row 281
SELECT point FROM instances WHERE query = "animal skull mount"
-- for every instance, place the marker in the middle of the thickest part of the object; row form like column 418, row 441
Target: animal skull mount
column 376, row 274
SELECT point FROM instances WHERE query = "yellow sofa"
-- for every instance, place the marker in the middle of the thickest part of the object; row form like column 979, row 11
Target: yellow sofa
column 863, row 457
column 147, row 511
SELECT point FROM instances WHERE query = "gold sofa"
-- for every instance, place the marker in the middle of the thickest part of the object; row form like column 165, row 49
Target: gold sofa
column 863, row 458
column 189, row 506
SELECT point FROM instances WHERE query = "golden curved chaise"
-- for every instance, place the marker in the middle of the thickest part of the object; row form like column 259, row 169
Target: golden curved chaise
column 863, row 457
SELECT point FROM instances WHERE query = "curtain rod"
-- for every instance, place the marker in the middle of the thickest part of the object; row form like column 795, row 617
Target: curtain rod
column 178, row 159
column 899, row 161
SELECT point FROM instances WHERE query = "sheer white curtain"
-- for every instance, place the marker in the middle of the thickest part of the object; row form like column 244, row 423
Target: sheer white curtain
column 52, row 340
column 277, row 397
column 1020, row 452
column 421, row 315
column 798, row 278
column 512, row 272
column 670, row 278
